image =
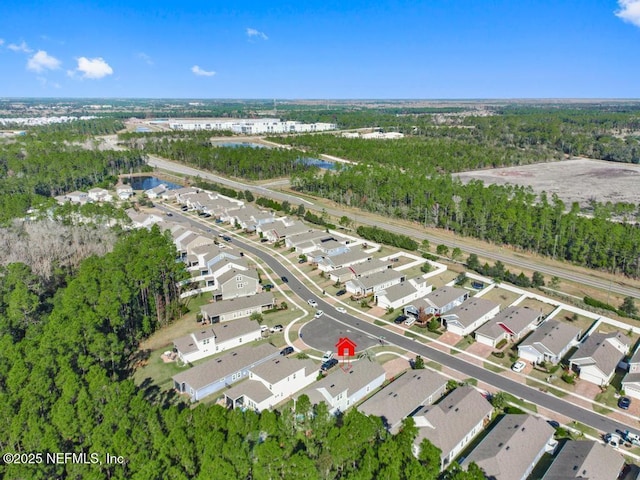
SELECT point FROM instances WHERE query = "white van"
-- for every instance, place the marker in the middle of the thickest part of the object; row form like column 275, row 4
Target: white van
column 410, row 321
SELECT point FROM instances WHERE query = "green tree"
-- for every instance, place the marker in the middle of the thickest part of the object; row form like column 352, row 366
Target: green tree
column 537, row 280
column 442, row 250
column 629, row 306
column 256, row 316
column 456, row 253
column 248, row 195
column 418, row 363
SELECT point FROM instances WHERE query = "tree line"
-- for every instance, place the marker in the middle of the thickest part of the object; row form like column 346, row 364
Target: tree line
column 66, row 358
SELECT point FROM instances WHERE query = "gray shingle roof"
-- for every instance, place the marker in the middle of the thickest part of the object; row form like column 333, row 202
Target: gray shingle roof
column 445, row 295
column 278, row 368
column 453, row 418
column 587, row 460
column 552, row 335
column 513, row 320
column 598, row 350
column 471, row 310
column 241, row 303
column 362, row 373
column 398, row 399
column 511, row 447
column 230, row 362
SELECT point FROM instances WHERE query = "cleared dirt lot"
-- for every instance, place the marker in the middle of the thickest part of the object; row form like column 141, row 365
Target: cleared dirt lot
column 577, row 180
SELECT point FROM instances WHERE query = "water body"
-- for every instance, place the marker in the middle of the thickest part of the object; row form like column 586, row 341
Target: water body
column 327, row 165
column 145, row 183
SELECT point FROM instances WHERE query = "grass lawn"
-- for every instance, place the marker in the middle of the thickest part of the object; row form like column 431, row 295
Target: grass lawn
column 608, row 397
column 521, row 403
column 442, row 279
column 501, row 296
column 158, row 371
column 491, row 367
column 580, row 321
column 584, row 429
column 537, row 305
column 434, row 365
column 464, row 343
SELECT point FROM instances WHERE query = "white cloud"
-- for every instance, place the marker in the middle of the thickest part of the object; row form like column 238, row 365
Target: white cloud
column 93, row 68
column 41, row 61
column 1, row 41
column 145, row 58
column 252, row 32
column 629, row 11
column 22, row 47
column 202, row 73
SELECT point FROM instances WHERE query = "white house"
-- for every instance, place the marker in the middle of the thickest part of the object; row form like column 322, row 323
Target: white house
column 631, row 381
column 223, row 370
column 345, row 387
column 438, row 302
column 124, row 192
column 466, row 317
column 77, row 197
column 511, row 324
column 598, row 356
column 398, row 295
column 352, row 264
column 452, row 423
column 217, row 338
column 549, row 342
column 374, row 283
column 272, row 382
column 155, row 192
column 99, row 195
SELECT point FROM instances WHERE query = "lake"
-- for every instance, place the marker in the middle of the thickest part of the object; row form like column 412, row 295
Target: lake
column 327, row 165
column 239, row 145
column 145, row 183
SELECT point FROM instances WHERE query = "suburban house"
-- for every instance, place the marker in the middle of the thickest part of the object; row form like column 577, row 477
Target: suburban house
column 398, row 295
column 453, row 422
column 142, row 220
column 236, row 283
column 374, row 283
column 249, row 217
column 282, row 229
column 549, row 342
column 598, row 356
column 352, row 264
column 99, row 195
column 631, row 381
column 329, row 247
column 179, row 193
column 402, row 396
column 271, row 382
column 222, row 371
column 124, row 192
column 204, row 257
column 343, row 389
column 438, row 302
column 188, row 241
column 511, row 450
column 307, row 242
column 216, row 338
column 466, row 317
column 155, row 192
column 235, row 308
column 77, row 197
column 511, row 324
column 585, row 460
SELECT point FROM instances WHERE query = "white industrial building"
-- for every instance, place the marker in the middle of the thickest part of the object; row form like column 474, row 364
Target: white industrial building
column 251, row 126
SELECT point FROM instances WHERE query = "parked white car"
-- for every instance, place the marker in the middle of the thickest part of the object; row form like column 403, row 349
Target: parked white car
column 341, row 309
column 312, row 302
column 328, row 355
column 518, row 366
column 318, row 314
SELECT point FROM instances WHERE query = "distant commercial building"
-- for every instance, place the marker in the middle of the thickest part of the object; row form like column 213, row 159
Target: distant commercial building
column 251, row 126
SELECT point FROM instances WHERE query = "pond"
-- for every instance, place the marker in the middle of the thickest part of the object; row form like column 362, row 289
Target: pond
column 327, row 165
column 239, row 145
column 145, row 183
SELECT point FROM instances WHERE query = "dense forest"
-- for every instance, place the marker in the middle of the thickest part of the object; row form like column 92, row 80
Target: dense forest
column 246, row 162
column 54, row 159
column 67, row 352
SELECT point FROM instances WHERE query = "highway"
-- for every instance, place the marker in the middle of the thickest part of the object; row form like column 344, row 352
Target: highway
column 507, row 258
column 529, row 394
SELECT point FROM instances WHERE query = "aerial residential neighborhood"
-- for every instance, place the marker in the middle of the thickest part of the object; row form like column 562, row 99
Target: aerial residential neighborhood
column 320, row 241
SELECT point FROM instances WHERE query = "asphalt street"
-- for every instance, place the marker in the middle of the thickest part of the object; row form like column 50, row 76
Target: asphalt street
column 511, row 259
column 529, row 394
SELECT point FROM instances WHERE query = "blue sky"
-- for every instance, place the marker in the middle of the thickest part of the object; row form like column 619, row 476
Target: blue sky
column 330, row 49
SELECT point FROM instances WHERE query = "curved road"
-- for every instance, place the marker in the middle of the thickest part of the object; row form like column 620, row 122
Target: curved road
column 504, row 258
column 529, row 394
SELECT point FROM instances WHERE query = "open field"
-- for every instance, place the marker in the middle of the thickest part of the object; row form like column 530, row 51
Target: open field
column 576, row 180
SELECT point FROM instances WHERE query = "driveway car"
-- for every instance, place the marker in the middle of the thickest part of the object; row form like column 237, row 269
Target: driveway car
column 624, row 403
column 518, row 366
column 276, row 328
column 328, row 355
column 341, row 309
column 329, row 364
column 339, row 293
column 318, row 314
column 301, row 261
column 399, row 319
column 286, row 351
column 267, row 286
column 312, row 302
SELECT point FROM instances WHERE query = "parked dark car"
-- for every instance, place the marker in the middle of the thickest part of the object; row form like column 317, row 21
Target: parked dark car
column 339, row 293
column 226, row 238
column 329, row 364
column 267, row 286
column 400, row 319
column 553, row 423
column 624, row 403
column 301, row 261
column 286, row 351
